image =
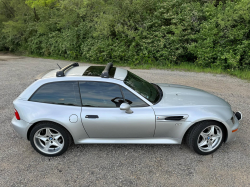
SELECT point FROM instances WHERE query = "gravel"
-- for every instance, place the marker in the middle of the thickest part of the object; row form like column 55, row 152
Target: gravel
column 122, row 165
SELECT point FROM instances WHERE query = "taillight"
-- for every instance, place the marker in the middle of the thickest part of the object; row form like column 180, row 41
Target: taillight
column 17, row 115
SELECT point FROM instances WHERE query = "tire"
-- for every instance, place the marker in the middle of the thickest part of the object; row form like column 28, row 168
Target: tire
column 202, row 139
column 50, row 139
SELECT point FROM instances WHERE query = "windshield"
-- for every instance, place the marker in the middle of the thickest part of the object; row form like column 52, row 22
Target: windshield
column 142, row 87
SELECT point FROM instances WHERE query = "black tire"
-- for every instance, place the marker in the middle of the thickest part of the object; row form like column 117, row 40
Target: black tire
column 194, row 133
column 65, row 138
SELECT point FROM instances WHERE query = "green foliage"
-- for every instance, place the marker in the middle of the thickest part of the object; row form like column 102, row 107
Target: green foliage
column 139, row 32
column 41, row 3
column 223, row 39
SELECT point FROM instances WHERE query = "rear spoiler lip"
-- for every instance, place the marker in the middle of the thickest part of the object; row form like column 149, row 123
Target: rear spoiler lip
column 42, row 74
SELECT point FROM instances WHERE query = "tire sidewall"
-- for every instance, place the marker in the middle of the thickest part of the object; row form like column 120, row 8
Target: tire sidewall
column 60, row 129
column 198, row 129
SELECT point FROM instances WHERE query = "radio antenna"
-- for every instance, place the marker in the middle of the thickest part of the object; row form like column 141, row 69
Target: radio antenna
column 59, row 66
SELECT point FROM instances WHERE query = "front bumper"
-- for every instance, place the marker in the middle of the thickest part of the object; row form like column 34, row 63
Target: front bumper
column 232, row 129
column 20, row 126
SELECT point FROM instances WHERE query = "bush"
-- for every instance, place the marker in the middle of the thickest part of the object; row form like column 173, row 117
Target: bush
column 223, row 39
column 205, row 33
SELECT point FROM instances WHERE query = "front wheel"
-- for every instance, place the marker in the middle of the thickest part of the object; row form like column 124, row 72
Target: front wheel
column 205, row 137
column 50, row 139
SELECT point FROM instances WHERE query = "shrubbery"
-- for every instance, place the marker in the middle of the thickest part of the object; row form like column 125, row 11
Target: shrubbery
column 207, row 33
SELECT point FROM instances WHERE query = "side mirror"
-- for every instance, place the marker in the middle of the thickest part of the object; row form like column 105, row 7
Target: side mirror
column 126, row 106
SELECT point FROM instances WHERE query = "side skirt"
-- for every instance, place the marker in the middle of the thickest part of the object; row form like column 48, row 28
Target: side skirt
column 129, row 141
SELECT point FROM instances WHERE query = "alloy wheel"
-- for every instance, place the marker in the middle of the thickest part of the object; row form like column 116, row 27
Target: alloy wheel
column 209, row 138
column 49, row 140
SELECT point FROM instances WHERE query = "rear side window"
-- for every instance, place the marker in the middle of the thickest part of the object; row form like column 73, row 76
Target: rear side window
column 100, row 94
column 62, row 93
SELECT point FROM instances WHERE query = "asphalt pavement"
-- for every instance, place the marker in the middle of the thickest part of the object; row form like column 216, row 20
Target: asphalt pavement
column 122, row 165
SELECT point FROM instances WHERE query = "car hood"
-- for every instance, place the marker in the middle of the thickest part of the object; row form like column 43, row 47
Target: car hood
column 178, row 95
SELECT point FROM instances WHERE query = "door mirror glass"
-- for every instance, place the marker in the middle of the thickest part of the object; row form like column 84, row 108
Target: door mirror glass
column 125, row 106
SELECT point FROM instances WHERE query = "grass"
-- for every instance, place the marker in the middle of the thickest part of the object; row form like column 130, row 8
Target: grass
column 242, row 74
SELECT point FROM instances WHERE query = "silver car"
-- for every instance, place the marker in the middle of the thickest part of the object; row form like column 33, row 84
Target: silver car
column 110, row 105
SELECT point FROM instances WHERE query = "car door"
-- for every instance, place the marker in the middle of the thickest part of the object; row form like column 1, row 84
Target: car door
column 102, row 117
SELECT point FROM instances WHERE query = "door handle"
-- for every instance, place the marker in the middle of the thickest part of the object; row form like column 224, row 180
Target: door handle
column 92, row 116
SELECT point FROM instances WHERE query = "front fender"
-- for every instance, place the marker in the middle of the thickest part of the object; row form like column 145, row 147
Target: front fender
column 177, row 129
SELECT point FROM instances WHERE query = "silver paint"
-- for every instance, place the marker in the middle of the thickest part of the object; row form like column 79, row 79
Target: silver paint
column 126, row 107
column 120, row 74
column 197, row 104
column 115, row 125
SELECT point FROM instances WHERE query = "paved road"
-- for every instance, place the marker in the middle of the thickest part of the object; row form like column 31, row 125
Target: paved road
column 122, row 165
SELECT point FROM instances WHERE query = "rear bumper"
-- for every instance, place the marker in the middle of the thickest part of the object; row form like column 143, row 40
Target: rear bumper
column 20, row 126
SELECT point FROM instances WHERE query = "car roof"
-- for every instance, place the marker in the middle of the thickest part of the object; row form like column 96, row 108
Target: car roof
column 81, row 71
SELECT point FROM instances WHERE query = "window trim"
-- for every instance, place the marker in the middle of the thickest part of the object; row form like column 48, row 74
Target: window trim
column 135, row 96
column 153, row 103
column 120, row 90
column 56, row 103
column 121, row 85
column 101, row 82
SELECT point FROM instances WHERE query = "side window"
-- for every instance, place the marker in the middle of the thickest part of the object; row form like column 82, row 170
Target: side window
column 100, row 94
column 132, row 99
column 62, row 93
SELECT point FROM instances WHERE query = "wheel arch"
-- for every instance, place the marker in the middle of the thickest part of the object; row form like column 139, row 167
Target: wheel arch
column 34, row 124
column 224, row 126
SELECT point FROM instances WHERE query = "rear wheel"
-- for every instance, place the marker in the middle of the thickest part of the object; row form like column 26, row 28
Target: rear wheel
column 50, row 139
column 205, row 137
